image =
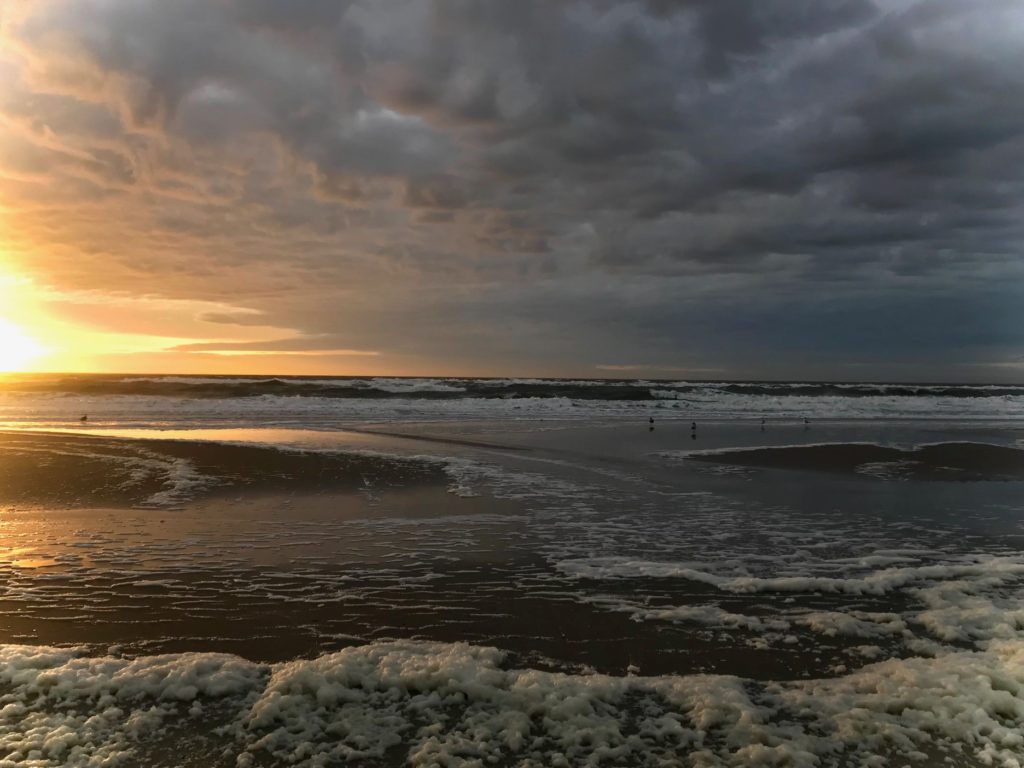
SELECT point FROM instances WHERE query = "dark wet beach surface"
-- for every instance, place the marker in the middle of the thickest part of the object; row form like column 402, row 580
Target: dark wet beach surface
column 288, row 554
column 603, row 548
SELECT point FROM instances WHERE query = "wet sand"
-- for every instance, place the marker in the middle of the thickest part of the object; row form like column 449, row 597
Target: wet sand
column 65, row 470
column 283, row 539
column 944, row 461
column 774, row 592
column 274, row 555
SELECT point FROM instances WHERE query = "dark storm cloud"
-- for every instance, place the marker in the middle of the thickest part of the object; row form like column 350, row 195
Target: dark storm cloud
column 740, row 31
column 532, row 164
column 434, row 193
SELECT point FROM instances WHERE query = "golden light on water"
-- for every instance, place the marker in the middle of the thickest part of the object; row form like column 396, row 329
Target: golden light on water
column 18, row 350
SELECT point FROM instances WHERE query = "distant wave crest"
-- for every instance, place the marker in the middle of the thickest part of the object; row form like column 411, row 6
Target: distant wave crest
column 453, row 389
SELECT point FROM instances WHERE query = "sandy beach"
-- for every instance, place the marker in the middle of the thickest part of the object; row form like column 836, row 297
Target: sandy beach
column 630, row 564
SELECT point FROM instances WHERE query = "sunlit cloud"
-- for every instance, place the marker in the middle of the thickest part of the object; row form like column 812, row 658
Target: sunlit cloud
column 295, row 353
column 657, row 369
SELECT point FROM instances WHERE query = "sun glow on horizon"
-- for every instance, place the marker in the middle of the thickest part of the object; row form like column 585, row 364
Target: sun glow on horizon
column 48, row 329
column 18, row 350
column 52, row 328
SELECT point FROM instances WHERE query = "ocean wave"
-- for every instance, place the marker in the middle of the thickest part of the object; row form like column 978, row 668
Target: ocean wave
column 286, row 408
column 507, row 388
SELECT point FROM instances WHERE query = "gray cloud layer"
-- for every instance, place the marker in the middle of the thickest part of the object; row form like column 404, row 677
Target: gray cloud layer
column 771, row 187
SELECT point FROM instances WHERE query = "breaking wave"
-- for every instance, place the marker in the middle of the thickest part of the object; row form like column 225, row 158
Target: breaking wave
column 185, row 401
column 457, row 388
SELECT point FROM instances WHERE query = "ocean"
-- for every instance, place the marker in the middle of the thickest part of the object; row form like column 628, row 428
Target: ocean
column 270, row 571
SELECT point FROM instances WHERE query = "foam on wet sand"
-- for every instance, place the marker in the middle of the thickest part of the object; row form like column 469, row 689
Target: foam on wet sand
column 432, row 704
column 877, row 640
column 65, row 470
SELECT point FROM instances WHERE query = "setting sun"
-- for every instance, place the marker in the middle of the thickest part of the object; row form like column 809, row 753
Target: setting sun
column 17, row 349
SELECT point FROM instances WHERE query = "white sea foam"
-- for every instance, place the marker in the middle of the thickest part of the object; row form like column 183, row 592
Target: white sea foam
column 705, row 614
column 438, row 704
column 181, row 483
column 414, row 385
column 991, row 569
column 179, row 478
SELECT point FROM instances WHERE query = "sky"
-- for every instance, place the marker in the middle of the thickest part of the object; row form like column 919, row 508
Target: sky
column 662, row 188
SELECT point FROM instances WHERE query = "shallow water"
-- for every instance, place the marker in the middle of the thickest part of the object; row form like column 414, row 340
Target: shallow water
column 740, row 613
